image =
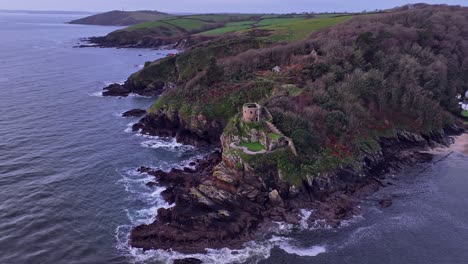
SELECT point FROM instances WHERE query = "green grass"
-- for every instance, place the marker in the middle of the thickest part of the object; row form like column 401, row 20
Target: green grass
column 274, row 136
column 223, row 30
column 187, row 24
column 222, row 17
column 282, row 28
column 296, row 29
column 253, row 146
column 144, row 25
column 278, row 21
column 464, row 113
column 147, row 16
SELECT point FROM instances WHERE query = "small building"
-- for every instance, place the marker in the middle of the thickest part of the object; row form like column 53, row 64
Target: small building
column 276, row 69
column 251, row 112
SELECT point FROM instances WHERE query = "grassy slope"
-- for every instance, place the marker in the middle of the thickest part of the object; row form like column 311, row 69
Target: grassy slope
column 170, row 30
column 281, row 29
column 121, row 18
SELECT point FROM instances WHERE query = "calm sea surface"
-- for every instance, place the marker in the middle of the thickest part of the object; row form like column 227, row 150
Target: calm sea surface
column 70, row 194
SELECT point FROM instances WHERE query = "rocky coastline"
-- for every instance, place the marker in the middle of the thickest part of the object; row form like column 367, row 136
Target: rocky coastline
column 217, row 203
column 122, row 41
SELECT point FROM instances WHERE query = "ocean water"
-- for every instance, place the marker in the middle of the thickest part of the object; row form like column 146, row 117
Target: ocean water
column 70, row 192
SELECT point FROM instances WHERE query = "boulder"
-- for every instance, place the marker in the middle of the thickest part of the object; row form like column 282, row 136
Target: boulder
column 187, row 261
column 386, row 202
column 275, row 198
column 116, row 89
column 134, row 113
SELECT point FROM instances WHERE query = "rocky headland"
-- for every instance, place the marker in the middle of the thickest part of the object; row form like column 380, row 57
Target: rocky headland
column 227, row 199
column 327, row 118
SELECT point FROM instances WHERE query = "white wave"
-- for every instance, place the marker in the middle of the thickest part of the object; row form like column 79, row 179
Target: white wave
column 129, row 128
column 252, row 252
column 305, row 214
column 138, row 95
column 281, row 228
column 303, row 252
column 166, row 144
column 107, row 83
column 96, row 94
column 284, row 243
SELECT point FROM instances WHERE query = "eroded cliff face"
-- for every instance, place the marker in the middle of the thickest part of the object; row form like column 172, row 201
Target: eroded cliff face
column 195, row 130
column 223, row 202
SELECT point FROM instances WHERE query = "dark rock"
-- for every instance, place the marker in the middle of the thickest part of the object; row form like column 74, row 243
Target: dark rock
column 386, row 202
column 116, row 90
column 134, row 113
column 219, row 204
column 165, row 124
column 188, row 261
column 151, row 184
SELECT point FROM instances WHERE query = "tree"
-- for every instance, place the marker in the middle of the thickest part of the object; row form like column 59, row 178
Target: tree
column 214, row 73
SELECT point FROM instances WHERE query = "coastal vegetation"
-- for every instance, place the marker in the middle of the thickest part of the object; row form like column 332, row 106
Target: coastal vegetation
column 309, row 112
column 121, row 18
column 339, row 92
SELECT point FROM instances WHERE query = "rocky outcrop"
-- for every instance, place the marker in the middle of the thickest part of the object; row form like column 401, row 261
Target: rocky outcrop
column 215, row 205
column 224, row 202
column 196, row 131
column 129, row 39
column 134, row 113
column 123, row 90
column 116, row 89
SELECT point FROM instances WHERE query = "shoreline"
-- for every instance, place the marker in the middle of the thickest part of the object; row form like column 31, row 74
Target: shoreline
column 237, row 216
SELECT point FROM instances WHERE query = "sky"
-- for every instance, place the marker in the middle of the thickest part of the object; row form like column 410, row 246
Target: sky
column 206, row 6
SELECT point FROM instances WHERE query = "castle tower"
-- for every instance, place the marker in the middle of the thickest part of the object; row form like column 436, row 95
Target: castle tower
column 251, row 112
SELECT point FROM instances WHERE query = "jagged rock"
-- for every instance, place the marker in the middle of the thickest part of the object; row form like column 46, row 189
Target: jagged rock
column 215, row 194
column 116, row 89
column 219, row 203
column 170, row 124
column 386, row 202
column 134, row 113
column 275, row 198
column 188, row 261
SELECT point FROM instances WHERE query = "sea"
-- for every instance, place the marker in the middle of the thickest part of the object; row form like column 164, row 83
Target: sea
column 70, row 192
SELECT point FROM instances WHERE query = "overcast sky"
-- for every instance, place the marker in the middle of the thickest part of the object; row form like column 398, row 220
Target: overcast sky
column 200, row 6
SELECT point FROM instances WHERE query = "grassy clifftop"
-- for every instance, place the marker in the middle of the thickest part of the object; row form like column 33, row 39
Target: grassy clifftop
column 173, row 29
column 121, row 18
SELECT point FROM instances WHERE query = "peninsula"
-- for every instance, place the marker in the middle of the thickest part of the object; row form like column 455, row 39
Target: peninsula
column 309, row 111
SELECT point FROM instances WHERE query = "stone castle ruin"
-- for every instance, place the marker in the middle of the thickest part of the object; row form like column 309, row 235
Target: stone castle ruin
column 267, row 134
column 251, row 112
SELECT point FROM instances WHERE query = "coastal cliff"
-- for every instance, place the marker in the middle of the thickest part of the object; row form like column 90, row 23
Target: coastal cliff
column 345, row 105
column 233, row 197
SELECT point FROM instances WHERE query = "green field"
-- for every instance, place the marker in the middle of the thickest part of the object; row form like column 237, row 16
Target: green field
column 296, row 29
column 464, row 113
column 196, row 23
column 253, row 146
column 187, row 24
column 281, row 28
column 264, row 28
